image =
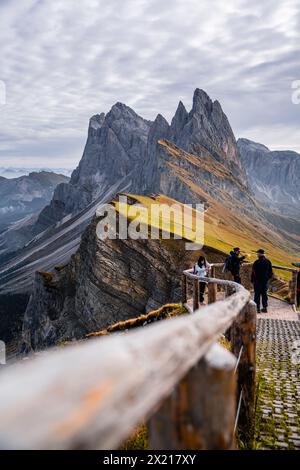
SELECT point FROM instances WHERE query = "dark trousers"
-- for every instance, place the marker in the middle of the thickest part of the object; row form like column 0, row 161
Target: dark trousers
column 260, row 291
column 237, row 278
column 201, row 291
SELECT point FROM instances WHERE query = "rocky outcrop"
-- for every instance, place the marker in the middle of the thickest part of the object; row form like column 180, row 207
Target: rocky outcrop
column 179, row 121
column 106, row 281
column 115, row 148
column 189, row 179
column 273, row 176
column 206, row 126
column 160, row 129
column 203, row 131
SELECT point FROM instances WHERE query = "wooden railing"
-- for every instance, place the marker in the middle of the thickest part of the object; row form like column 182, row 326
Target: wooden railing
column 292, row 282
column 173, row 374
column 242, row 337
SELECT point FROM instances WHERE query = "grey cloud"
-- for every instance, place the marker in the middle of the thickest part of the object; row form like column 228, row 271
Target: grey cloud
column 63, row 61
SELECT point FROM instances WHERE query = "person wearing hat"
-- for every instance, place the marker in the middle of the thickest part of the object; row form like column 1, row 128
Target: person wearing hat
column 262, row 272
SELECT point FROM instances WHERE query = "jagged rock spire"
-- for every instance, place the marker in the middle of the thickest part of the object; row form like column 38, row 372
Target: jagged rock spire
column 179, row 120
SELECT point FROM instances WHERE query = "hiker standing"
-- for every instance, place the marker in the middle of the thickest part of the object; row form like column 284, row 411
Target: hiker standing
column 261, row 274
column 201, row 269
column 233, row 264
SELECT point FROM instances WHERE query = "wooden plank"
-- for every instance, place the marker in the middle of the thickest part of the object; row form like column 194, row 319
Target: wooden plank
column 212, row 292
column 293, row 288
column 93, row 394
column 200, row 413
column 284, row 268
column 195, row 294
column 243, row 342
column 212, row 288
column 183, row 289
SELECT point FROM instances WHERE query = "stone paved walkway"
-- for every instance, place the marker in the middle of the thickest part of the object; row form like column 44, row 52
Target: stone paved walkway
column 278, row 378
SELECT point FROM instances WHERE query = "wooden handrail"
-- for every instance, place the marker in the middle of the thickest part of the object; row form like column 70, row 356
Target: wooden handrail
column 285, row 268
column 92, row 394
column 242, row 335
column 292, row 282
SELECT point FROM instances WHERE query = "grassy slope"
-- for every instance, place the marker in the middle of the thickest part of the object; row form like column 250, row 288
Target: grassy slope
column 224, row 225
column 225, row 229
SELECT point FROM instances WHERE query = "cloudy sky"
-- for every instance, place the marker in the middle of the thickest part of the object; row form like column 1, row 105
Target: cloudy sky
column 63, row 60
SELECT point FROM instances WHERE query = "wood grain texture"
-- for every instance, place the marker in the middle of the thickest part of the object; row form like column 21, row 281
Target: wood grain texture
column 200, row 412
column 91, row 395
column 195, row 294
column 243, row 343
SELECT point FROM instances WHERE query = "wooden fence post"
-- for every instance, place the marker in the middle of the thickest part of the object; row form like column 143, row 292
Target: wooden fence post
column 243, row 343
column 200, row 413
column 212, row 288
column 195, row 294
column 228, row 292
column 293, row 288
column 212, row 292
column 183, row 289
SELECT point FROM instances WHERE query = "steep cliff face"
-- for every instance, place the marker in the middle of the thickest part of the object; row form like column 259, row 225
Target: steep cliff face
column 203, row 131
column 115, row 148
column 206, row 180
column 273, row 176
column 206, row 126
column 123, row 145
column 105, row 281
column 190, row 178
column 122, row 153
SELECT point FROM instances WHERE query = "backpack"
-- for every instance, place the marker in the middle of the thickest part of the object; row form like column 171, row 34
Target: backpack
column 227, row 264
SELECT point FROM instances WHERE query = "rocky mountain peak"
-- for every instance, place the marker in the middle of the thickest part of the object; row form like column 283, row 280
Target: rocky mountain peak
column 97, row 120
column 95, row 125
column 253, row 146
column 122, row 149
column 160, row 121
column 206, row 126
column 159, row 129
column 201, row 102
column 122, row 111
column 179, row 120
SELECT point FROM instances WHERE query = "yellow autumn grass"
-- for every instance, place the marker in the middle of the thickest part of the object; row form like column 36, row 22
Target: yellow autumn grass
column 223, row 228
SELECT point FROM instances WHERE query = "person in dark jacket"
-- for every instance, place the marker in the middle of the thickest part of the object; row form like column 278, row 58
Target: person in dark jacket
column 261, row 274
column 235, row 264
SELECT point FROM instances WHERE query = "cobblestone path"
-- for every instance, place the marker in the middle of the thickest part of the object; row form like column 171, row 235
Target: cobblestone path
column 278, row 378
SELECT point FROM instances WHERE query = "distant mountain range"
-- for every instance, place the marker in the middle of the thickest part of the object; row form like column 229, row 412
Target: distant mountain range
column 26, row 195
column 16, row 172
column 195, row 158
column 273, row 176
